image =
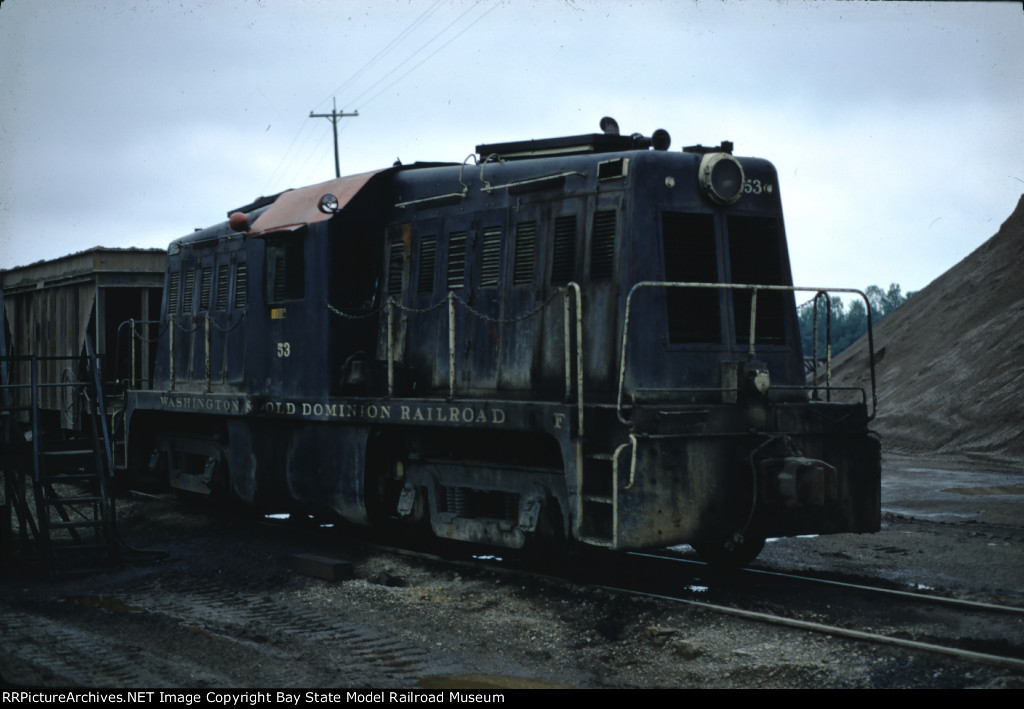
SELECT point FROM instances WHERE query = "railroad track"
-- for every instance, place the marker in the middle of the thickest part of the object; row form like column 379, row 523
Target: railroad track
column 250, row 627
column 971, row 631
column 916, row 621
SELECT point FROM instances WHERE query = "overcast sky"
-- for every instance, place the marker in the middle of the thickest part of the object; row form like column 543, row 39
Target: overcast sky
column 895, row 127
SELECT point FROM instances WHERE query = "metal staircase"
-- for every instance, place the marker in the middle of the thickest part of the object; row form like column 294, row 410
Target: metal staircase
column 57, row 513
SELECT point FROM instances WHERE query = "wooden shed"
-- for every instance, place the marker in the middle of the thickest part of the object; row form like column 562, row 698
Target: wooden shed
column 49, row 306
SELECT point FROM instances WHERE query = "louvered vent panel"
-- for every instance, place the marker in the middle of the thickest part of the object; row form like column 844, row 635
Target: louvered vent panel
column 204, row 289
column 564, row 250
column 428, row 259
column 395, row 261
column 223, row 271
column 526, row 242
column 190, row 289
column 280, row 277
column 602, row 247
column 490, row 262
column 175, row 287
column 241, row 286
column 456, row 260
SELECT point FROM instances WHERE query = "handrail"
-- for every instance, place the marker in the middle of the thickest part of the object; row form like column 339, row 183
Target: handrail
column 532, row 181
column 36, row 384
column 754, row 288
column 451, row 344
column 447, row 195
column 828, row 344
column 209, row 323
column 170, row 352
column 99, row 408
column 575, row 288
column 391, row 341
column 134, row 334
column 19, row 377
column 570, row 288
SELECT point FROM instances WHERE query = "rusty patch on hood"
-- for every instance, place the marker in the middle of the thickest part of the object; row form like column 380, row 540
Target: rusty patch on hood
column 297, row 208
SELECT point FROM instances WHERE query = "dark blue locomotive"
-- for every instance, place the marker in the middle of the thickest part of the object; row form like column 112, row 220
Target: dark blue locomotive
column 589, row 339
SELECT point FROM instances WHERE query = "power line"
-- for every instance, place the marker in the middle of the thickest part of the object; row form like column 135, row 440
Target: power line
column 357, row 74
column 422, row 47
column 426, row 58
column 387, row 48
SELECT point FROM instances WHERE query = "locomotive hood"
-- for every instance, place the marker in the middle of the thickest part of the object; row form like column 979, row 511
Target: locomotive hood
column 297, row 208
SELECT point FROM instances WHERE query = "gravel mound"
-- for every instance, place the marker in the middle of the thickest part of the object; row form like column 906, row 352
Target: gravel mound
column 950, row 361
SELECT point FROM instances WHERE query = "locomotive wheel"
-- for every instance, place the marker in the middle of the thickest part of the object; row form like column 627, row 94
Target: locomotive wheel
column 729, row 556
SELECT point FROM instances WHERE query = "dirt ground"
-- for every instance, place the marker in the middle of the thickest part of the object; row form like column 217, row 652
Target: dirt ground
column 216, row 605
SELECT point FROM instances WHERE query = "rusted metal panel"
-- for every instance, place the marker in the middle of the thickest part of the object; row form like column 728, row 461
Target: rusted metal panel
column 672, row 490
column 295, row 209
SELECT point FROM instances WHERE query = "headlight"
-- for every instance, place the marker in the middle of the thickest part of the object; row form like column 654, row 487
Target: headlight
column 721, row 176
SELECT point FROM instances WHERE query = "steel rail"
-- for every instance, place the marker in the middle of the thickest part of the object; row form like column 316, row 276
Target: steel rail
column 909, row 595
column 981, row 657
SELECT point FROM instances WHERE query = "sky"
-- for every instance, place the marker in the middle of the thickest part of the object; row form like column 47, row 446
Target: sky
column 895, row 127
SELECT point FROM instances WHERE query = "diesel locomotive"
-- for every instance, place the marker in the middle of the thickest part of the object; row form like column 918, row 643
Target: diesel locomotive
column 587, row 340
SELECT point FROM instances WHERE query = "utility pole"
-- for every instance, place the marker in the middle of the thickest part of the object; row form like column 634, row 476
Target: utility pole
column 335, row 117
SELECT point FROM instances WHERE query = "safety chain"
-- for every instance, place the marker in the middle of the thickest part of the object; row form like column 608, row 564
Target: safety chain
column 230, row 327
column 507, row 321
column 141, row 338
column 196, row 324
column 810, row 301
column 182, row 328
column 441, row 303
column 806, row 302
column 410, row 309
column 368, row 314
